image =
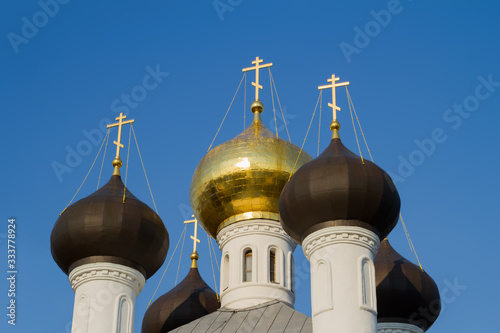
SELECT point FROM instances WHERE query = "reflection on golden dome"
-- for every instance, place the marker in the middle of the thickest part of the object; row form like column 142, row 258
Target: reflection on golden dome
column 242, row 178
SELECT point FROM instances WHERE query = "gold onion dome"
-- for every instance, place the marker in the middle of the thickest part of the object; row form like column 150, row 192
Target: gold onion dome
column 242, row 178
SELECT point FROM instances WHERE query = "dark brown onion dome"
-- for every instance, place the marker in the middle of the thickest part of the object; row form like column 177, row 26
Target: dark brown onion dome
column 191, row 299
column 102, row 228
column 405, row 293
column 337, row 189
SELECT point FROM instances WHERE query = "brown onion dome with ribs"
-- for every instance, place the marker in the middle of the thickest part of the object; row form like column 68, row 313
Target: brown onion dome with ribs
column 338, row 189
column 191, row 299
column 405, row 293
column 103, row 228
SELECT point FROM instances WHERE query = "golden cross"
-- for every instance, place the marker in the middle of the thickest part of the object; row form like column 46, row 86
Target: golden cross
column 195, row 237
column 334, row 85
column 257, row 62
column 120, row 123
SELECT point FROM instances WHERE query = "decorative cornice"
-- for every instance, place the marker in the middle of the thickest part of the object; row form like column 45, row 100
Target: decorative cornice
column 340, row 235
column 107, row 272
column 253, row 227
column 398, row 328
column 248, row 216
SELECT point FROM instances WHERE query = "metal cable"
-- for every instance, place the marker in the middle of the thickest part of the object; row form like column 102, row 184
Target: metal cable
column 95, row 159
column 168, row 264
column 229, row 108
column 272, row 99
column 143, row 168
column 245, row 103
column 212, row 263
column 319, row 123
column 103, row 156
column 359, row 124
column 407, row 234
column 279, row 104
column 180, row 258
column 354, row 127
column 307, row 133
column 215, row 254
column 126, row 167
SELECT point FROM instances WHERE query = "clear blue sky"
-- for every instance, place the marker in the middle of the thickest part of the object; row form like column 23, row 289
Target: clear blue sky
column 416, row 68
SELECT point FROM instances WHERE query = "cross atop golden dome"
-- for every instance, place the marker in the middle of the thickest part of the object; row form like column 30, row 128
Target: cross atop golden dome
column 257, row 62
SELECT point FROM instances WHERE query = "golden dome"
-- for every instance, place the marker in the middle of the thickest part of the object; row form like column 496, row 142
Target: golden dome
column 242, row 178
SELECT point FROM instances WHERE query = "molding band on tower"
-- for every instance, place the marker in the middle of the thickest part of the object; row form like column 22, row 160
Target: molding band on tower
column 107, row 272
column 397, row 328
column 253, row 227
column 340, row 235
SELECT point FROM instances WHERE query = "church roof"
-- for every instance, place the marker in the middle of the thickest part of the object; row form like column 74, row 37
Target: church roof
column 272, row 316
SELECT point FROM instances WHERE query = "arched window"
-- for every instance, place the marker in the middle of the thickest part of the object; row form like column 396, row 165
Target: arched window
column 272, row 266
column 247, row 273
column 225, row 272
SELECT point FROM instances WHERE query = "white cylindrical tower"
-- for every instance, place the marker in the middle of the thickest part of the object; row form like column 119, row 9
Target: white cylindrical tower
column 105, row 296
column 234, row 194
column 108, row 243
column 342, row 278
column 338, row 206
column 257, row 264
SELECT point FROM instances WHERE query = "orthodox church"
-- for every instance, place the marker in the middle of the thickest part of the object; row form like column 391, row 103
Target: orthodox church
column 259, row 196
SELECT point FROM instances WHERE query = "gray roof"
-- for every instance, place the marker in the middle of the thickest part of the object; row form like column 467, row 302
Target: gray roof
column 272, row 317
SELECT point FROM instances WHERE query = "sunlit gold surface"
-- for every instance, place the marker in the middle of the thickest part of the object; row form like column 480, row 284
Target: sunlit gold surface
column 117, row 164
column 194, row 259
column 242, row 178
column 335, row 127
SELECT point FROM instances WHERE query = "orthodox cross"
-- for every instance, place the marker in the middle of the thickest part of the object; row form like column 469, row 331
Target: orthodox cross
column 120, row 123
column 257, row 63
column 334, row 85
column 195, row 237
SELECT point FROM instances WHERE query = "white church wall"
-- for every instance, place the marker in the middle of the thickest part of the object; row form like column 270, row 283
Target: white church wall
column 261, row 236
column 105, row 295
